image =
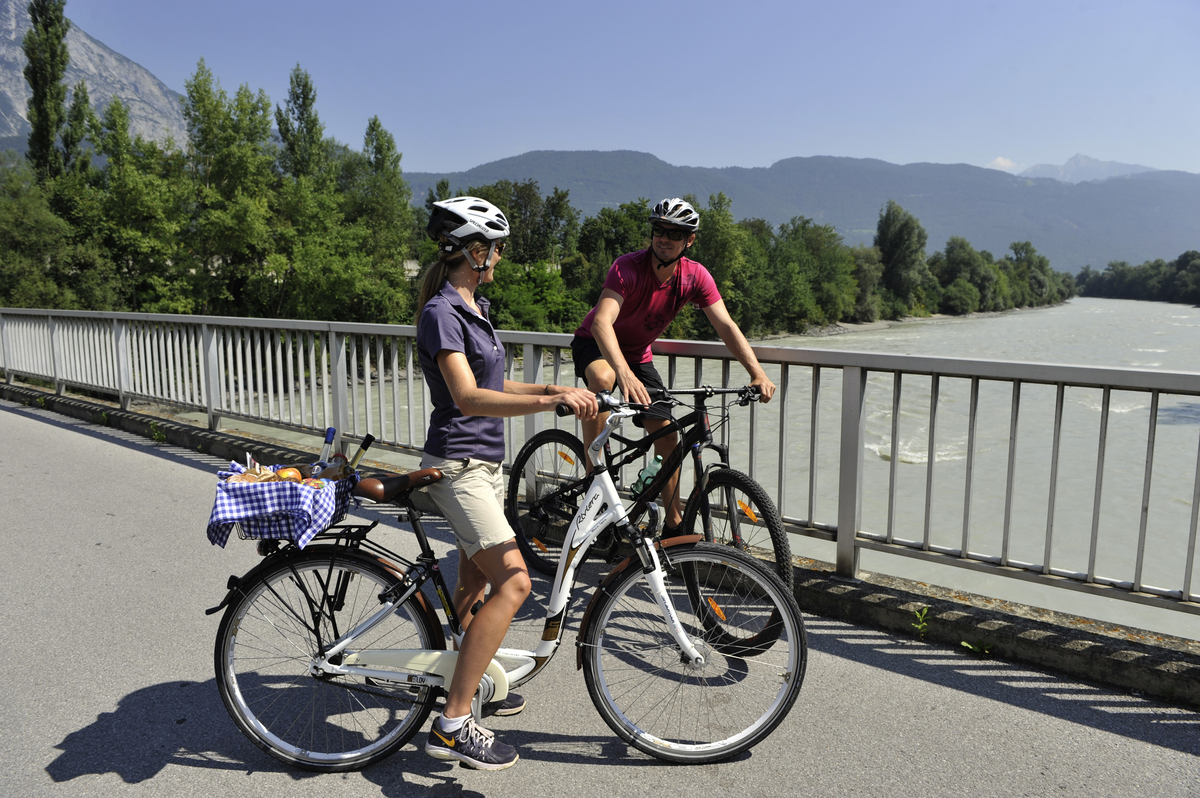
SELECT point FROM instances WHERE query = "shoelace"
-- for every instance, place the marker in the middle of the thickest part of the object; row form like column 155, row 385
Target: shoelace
column 477, row 734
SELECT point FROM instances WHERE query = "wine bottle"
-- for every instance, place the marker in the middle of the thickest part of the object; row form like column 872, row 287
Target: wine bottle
column 362, row 449
column 327, row 449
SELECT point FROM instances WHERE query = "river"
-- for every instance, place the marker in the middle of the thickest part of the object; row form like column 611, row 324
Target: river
column 1100, row 332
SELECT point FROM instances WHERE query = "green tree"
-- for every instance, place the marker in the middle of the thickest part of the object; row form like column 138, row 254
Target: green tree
column 901, row 241
column 304, row 151
column 45, row 46
column 960, row 297
column 868, row 269
column 229, row 237
column 542, row 229
column 721, row 246
column 614, row 232
column 81, row 121
column 40, row 266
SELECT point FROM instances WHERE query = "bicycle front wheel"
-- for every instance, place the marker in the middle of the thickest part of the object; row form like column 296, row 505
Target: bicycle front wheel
column 549, row 478
column 269, row 638
column 680, row 711
column 734, row 510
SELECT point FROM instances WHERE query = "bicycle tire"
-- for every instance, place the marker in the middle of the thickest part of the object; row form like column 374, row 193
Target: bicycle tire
column 736, row 511
column 548, row 480
column 684, row 713
column 266, row 642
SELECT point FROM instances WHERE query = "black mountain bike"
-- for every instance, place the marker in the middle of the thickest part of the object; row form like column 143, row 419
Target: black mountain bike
column 549, row 477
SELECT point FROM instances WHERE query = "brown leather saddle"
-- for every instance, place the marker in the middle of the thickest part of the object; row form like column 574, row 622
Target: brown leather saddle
column 399, row 488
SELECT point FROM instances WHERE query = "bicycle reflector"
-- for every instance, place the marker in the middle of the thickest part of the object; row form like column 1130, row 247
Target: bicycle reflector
column 748, row 510
column 570, row 460
column 717, row 609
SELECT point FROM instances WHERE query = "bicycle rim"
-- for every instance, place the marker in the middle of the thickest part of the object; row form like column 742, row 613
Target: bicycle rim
column 266, row 643
column 688, row 713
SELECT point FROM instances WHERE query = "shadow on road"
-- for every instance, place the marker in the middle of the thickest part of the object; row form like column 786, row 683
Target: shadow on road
column 1046, row 692
column 185, row 724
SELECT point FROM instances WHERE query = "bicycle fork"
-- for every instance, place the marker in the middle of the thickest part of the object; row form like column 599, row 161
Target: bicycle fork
column 653, row 570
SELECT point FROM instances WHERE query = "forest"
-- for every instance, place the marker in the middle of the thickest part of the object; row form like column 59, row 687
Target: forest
column 258, row 213
column 1156, row 280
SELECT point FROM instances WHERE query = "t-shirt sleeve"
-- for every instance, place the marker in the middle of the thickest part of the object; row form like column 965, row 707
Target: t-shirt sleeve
column 619, row 279
column 705, row 292
column 440, row 329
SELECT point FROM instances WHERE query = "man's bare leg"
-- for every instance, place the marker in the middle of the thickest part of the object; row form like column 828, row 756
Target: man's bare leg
column 600, row 377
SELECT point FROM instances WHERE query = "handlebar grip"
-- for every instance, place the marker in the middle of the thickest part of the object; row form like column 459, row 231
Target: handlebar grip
column 563, row 410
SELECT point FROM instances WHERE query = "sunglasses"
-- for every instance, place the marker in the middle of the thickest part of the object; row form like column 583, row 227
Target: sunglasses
column 670, row 233
column 500, row 245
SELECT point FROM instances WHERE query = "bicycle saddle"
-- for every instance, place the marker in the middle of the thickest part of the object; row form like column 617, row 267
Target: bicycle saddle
column 393, row 487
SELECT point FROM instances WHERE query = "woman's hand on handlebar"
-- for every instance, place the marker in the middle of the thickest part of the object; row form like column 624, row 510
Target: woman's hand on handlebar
column 576, row 401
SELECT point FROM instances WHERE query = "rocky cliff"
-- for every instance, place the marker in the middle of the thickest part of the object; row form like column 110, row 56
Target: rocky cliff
column 153, row 108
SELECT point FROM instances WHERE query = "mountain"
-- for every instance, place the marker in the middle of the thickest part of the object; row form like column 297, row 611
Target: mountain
column 1081, row 168
column 154, row 110
column 1135, row 217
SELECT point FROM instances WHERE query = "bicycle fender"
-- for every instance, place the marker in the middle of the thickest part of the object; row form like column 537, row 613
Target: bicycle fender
column 617, row 570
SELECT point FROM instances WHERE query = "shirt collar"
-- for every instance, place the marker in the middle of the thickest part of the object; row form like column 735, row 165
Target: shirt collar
column 454, row 298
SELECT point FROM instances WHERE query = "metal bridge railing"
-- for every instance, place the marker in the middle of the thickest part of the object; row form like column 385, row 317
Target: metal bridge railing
column 1060, row 475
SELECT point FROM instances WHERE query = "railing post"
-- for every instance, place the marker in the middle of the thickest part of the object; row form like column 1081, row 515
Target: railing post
column 532, row 372
column 7, row 350
column 213, row 381
column 56, row 355
column 124, row 373
column 854, row 384
column 338, row 398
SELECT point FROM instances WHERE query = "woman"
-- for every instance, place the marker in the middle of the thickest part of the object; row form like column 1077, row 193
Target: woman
column 462, row 359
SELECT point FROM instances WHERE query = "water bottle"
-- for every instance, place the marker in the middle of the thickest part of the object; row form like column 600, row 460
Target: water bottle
column 647, row 475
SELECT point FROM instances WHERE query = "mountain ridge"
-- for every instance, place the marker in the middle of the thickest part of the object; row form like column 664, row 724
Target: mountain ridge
column 1133, row 217
column 1080, row 168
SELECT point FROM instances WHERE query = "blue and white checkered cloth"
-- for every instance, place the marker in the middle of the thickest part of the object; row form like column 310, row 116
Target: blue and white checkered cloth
column 277, row 510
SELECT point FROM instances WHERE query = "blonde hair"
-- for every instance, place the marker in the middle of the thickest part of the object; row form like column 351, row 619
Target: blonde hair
column 439, row 271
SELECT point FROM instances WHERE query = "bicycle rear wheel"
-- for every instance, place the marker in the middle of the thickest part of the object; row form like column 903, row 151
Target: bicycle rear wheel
column 735, row 511
column 548, row 479
column 267, row 642
column 695, row 713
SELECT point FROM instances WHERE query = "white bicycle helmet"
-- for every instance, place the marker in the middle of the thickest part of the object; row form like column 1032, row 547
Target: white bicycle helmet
column 677, row 212
column 462, row 220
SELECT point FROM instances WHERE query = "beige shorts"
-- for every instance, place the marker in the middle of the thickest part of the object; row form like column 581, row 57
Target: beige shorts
column 471, row 496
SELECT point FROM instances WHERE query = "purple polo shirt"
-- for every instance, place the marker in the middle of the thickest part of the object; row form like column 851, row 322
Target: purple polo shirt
column 447, row 322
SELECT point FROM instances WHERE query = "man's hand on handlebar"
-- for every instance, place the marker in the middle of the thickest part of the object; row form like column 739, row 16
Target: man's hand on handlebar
column 765, row 387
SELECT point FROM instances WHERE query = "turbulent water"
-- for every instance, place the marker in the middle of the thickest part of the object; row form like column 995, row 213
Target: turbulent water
column 1140, row 335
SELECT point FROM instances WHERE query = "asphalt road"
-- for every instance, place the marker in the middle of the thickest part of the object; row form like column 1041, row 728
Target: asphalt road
column 109, row 688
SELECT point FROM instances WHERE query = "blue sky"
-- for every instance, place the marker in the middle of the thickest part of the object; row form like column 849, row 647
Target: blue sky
column 1008, row 84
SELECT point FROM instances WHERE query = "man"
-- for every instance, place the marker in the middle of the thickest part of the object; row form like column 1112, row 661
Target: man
column 642, row 294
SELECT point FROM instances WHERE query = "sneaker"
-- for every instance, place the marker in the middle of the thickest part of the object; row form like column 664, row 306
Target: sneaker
column 511, row 705
column 472, row 745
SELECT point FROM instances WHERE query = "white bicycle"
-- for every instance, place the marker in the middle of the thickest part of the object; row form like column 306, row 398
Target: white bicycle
column 331, row 657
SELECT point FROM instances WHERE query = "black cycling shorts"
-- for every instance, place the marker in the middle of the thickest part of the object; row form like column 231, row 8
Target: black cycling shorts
column 585, row 350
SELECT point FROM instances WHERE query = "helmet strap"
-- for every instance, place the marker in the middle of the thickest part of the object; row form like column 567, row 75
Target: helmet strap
column 471, row 258
column 671, row 262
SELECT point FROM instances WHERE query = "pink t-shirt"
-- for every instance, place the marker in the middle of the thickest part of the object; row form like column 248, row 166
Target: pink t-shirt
column 648, row 306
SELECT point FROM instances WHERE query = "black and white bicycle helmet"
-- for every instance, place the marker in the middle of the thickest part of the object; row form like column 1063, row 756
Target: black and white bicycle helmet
column 462, row 220
column 677, row 212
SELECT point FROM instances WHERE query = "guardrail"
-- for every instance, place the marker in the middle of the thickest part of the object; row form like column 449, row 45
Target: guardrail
column 944, row 433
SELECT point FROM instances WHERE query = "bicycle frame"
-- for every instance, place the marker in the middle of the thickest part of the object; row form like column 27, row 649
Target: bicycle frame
column 602, row 507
